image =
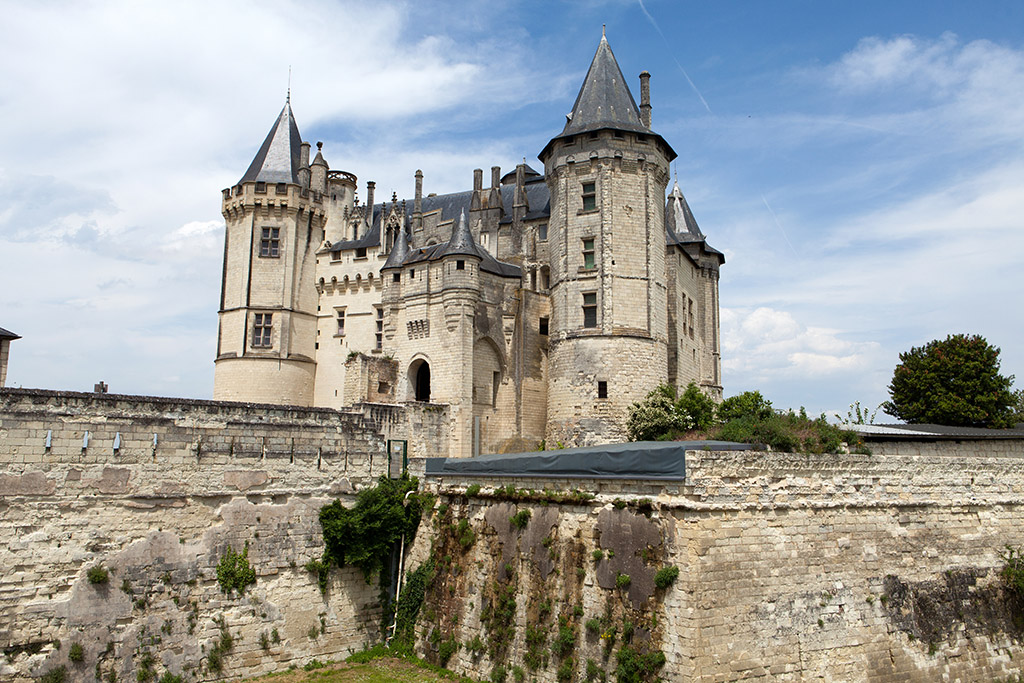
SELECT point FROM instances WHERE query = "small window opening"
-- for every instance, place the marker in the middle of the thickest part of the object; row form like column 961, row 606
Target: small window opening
column 460, row 265
column 542, row 232
column 602, row 389
column 494, row 387
column 544, row 326
column 341, row 324
column 361, row 252
column 590, row 309
column 396, row 277
column 412, row 273
column 379, row 342
column 588, row 253
column 589, row 197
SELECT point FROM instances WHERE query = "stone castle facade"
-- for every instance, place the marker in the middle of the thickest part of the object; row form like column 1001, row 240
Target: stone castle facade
column 538, row 307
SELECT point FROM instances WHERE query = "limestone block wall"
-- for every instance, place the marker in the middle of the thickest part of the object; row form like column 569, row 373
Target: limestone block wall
column 791, row 568
column 159, row 521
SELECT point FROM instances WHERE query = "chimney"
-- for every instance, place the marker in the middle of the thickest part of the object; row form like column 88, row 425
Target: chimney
column 369, row 203
column 418, row 199
column 494, row 197
column 304, row 165
column 645, row 98
column 478, row 185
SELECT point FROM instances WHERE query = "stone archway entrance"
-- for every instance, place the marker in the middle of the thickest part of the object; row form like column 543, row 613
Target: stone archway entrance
column 419, row 379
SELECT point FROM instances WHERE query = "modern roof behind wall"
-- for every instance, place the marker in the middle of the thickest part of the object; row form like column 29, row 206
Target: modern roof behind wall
column 277, row 161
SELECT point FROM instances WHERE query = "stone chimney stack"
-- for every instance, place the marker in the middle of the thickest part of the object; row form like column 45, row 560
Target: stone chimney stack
column 478, row 186
column 494, row 197
column 304, row 165
column 370, row 186
column 645, row 98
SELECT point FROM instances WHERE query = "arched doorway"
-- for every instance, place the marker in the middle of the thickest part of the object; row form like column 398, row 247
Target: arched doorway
column 419, row 378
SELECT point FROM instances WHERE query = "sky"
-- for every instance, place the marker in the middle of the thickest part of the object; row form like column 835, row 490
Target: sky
column 861, row 165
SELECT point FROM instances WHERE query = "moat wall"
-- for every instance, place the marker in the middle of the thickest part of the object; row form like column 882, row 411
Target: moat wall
column 792, row 567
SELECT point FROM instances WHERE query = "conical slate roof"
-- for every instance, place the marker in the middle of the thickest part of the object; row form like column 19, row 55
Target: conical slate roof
column 461, row 241
column 604, row 100
column 679, row 221
column 278, row 158
column 399, row 252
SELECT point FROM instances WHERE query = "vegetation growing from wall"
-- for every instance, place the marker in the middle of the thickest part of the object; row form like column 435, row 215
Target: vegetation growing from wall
column 364, row 535
column 234, row 572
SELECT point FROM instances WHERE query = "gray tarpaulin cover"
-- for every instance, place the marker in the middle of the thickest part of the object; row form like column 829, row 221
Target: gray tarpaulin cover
column 634, row 460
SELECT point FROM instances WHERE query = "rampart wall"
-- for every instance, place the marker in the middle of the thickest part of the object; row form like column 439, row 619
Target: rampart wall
column 791, row 567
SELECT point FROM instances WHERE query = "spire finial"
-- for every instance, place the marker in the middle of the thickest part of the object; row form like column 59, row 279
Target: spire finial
column 288, row 97
column 603, row 36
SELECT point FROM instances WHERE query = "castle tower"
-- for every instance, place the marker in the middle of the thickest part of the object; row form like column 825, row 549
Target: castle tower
column 274, row 222
column 606, row 172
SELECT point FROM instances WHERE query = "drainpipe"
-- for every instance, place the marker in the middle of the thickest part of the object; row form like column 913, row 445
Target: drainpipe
column 401, row 573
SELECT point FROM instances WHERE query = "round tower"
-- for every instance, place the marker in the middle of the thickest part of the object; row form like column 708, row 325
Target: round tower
column 606, row 172
column 267, row 320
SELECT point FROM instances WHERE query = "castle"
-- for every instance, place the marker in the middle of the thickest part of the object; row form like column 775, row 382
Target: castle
column 539, row 307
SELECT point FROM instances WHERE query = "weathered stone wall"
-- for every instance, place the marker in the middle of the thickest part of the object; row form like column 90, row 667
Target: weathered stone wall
column 792, row 567
column 159, row 520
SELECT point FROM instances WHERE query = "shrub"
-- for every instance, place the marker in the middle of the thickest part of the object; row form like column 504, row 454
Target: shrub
column 76, row 653
column 663, row 413
column 98, row 574
column 446, row 650
column 594, row 672
column 593, row 625
column 364, row 535
column 598, row 555
column 748, row 404
column 57, row 675
column 1013, row 571
column 476, row 645
column 518, row 674
column 789, row 432
column 168, row 677
column 234, row 571
column 565, row 641
column 636, row 667
column 520, row 519
column 622, row 580
column 666, row 576
column 498, row 674
column 465, row 534
column 472, row 490
column 565, row 670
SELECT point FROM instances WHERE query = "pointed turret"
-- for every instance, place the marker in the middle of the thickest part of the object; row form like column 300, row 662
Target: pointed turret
column 461, row 242
column 606, row 103
column 279, row 158
column 680, row 225
column 399, row 252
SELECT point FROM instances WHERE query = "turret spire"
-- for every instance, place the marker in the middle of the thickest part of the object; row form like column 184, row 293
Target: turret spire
column 277, row 161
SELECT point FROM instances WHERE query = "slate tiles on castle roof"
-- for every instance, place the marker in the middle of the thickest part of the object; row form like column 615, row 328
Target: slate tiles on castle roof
column 277, row 160
column 7, row 334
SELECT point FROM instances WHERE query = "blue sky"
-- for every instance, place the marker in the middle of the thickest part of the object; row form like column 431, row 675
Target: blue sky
column 860, row 164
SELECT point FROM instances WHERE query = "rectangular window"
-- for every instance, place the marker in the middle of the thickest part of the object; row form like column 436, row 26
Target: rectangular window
column 602, row 389
column 590, row 309
column 341, row 324
column 281, row 188
column 361, row 252
column 270, row 242
column 262, row 328
column 589, row 197
column 379, row 343
column 396, row 277
column 412, row 273
column 691, row 317
column 460, row 265
column 588, row 253
column 495, row 383
column 542, row 232
column 544, row 326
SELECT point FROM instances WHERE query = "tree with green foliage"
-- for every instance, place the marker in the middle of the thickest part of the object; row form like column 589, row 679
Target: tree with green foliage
column 748, row 404
column 663, row 413
column 363, row 535
column 953, row 382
